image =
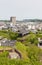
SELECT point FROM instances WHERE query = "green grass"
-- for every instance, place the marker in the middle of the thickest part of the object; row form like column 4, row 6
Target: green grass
column 22, row 49
column 4, row 47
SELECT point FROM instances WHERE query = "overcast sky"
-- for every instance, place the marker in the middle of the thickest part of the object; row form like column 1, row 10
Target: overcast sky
column 22, row 9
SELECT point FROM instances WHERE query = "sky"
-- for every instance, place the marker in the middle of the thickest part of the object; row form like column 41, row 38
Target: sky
column 22, row 9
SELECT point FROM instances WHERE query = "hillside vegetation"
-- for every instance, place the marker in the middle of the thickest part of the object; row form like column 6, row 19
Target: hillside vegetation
column 26, row 45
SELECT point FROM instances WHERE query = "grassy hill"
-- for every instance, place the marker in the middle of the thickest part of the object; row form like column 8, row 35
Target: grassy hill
column 27, row 46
